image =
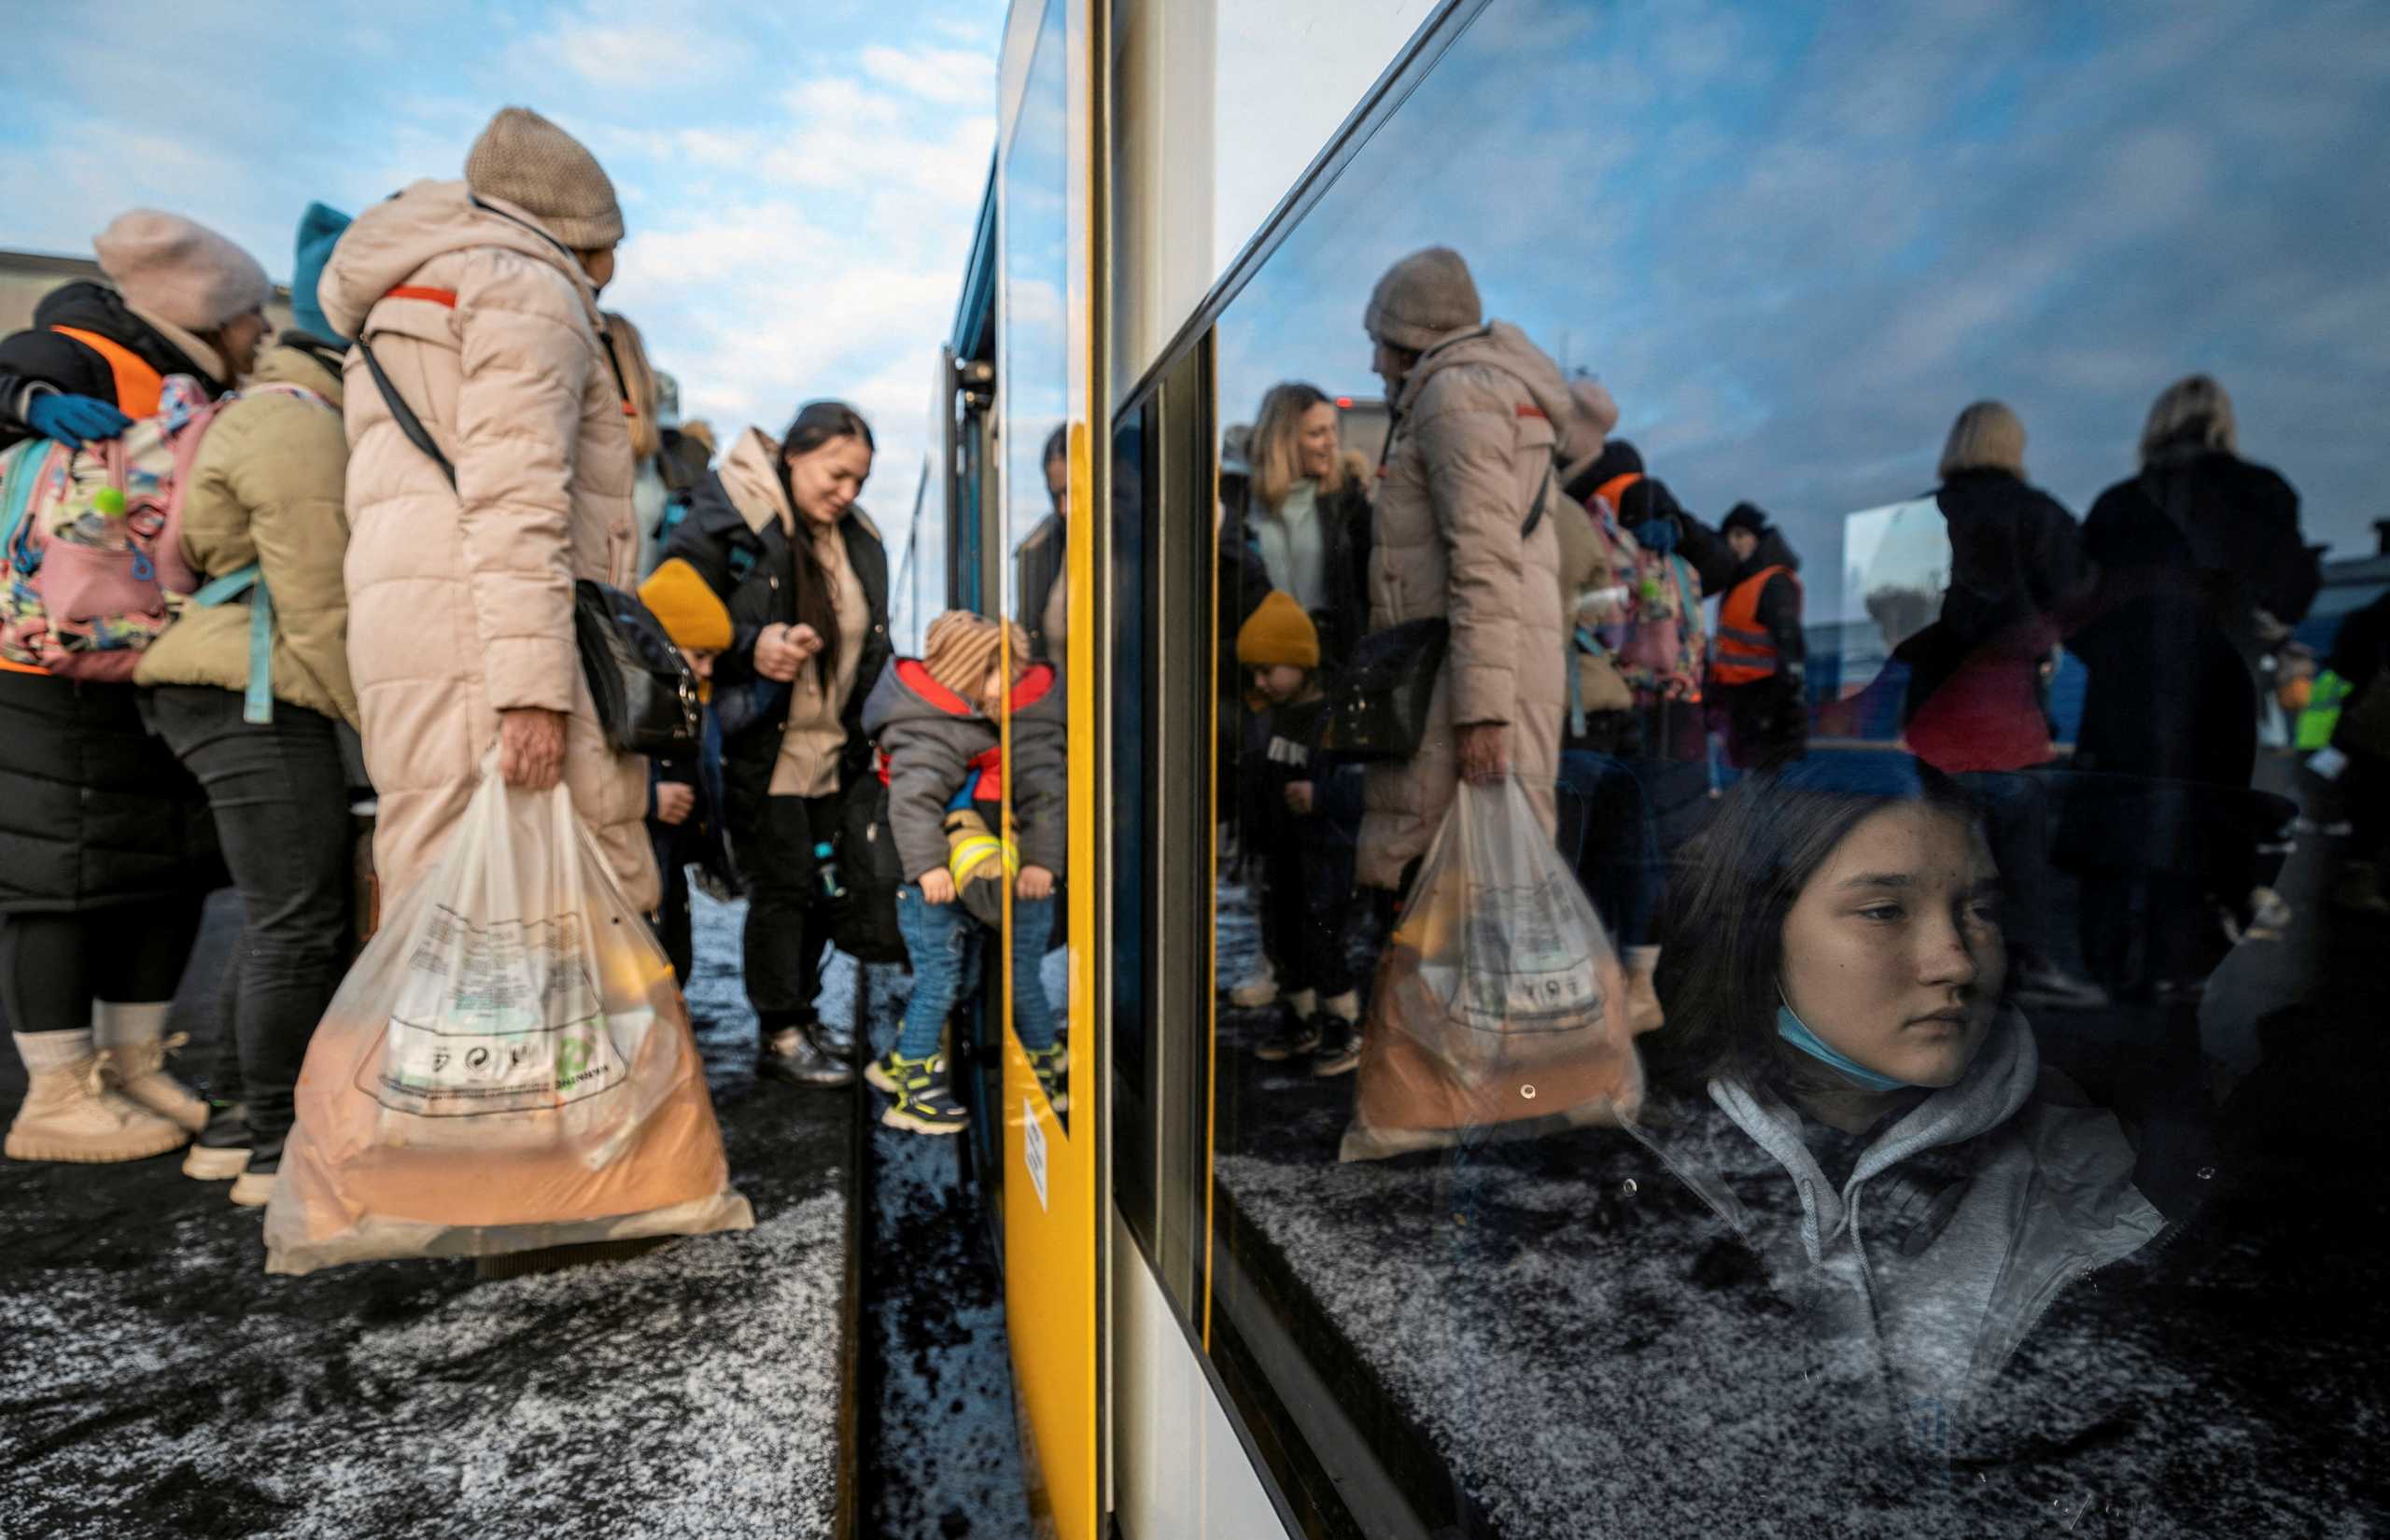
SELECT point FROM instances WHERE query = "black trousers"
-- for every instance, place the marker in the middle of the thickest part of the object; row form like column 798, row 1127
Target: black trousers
column 52, row 966
column 788, row 927
column 280, row 798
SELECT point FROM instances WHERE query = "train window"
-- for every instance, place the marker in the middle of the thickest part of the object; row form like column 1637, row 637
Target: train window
column 1037, row 491
column 1793, row 934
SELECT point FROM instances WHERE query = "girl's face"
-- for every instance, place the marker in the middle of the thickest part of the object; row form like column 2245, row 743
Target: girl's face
column 1316, row 441
column 241, row 338
column 1893, row 953
column 700, row 660
column 827, row 479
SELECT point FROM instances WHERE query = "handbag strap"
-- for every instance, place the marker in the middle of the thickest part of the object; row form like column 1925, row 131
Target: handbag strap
column 403, row 414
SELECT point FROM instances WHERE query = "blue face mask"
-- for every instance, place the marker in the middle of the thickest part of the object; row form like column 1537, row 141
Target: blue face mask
column 1792, row 1030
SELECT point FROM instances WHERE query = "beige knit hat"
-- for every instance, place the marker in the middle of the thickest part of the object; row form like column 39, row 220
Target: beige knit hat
column 179, row 271
column 549, row 174
column 960, row 648
column 1423, row 298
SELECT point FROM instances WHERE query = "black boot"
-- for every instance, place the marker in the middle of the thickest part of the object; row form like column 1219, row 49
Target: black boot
column 221, row 1151
column 791, row 1054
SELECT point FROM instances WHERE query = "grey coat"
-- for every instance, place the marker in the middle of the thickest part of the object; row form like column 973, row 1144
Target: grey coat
column 934, row 739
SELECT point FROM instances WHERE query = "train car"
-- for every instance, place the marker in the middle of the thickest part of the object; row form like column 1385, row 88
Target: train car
column 1792, row 244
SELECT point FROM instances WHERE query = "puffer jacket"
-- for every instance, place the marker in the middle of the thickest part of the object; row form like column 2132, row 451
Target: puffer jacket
column 737, row 536
column 268, row 487
column 461, row 598
column 1474, row 437
column 932, row 739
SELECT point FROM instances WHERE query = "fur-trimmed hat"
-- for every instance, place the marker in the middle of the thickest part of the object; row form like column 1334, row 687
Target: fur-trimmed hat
column 1424, row 298
column 549, row 174
column 179, row 270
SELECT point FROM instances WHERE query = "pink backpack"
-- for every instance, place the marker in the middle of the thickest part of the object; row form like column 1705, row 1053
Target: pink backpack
column 91, row 539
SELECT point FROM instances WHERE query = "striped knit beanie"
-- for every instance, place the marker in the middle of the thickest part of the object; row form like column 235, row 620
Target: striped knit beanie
column 961, row 647
column 528, row 161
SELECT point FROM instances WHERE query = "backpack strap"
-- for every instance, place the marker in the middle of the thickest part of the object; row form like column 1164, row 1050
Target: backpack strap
column 257, row 706
column 403, row 414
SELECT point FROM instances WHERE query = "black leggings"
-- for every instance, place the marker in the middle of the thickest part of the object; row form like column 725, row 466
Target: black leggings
column 52, row 966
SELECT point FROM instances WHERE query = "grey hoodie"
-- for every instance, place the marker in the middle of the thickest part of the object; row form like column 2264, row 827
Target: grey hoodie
column 931, row 739
column 1935, row 1307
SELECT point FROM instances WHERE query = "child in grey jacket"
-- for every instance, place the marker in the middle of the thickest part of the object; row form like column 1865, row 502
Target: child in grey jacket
column 935, row 721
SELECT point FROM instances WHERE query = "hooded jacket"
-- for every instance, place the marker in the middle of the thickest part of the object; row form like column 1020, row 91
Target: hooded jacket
column 930, row 739
column 737, row 536
column 461, row 597
column 1957, row 1228
column 43, row 358
column 268, row 487
column 1477, row 425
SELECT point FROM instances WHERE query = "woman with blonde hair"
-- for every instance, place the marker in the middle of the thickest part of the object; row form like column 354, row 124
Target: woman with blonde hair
column 1977, row 704
column 1307, row 518
column 2202, row 573
column 642, row 395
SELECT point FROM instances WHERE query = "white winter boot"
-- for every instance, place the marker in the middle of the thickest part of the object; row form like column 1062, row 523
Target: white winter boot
column 70, row 1113
column 133, row 1049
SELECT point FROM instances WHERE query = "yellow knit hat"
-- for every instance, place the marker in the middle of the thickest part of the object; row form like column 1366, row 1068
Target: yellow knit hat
column 1279, row 631
column 960, row 647
column 693, row 615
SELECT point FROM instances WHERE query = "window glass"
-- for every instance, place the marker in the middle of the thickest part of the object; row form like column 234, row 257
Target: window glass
column 1034, row 398
column 1793, row 911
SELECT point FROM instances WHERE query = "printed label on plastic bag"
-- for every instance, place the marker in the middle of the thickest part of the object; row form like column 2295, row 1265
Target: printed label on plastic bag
column 498, row 1018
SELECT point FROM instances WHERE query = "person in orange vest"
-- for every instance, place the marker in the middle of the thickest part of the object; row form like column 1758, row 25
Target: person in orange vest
column 180, row 300
column 1757, row 662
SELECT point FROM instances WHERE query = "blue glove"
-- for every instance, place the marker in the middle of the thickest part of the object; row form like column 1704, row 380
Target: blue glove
column 75, row 420
column 1658, row 534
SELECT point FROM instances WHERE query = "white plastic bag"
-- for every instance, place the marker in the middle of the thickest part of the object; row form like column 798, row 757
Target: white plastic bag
column 1499, row 998
column 507, row 1066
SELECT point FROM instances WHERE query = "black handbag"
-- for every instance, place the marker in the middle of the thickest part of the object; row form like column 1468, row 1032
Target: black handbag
column 862, row 924
column 645, row 696
column 1378, row 705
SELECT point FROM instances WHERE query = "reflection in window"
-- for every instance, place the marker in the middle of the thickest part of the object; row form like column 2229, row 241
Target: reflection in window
column 1851, row 512
column 1035, row 400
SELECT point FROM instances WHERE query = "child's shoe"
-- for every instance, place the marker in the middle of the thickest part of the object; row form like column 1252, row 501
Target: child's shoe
column 925, row 1100
column 1256, row 992
column 1053, row 1067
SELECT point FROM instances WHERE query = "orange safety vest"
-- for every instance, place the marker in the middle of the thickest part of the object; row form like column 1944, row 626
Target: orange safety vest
column 1615, row 489
column 137, row 385
column 1746, row 652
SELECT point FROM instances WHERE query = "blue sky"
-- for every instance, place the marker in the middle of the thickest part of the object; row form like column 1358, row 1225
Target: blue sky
column 799, row 179
column 1795, row 242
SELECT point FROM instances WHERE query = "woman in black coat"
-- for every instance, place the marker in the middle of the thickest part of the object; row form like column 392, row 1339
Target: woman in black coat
column 106, row 847
column 2201, row 573
column 777, row 534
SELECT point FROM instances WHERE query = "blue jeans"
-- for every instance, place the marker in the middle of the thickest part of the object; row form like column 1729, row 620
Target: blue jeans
column 944, row 943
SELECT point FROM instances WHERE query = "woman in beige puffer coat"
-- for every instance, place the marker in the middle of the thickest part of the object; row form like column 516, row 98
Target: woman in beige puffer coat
column 1478, row 414
column 477, row 297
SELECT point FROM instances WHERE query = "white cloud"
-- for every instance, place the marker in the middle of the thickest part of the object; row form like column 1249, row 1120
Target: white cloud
column 619, row 45
column 958, row 77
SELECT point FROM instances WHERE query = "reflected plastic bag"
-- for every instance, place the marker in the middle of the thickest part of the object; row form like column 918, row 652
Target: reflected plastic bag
column 1499, row 1001
column 508, row 1066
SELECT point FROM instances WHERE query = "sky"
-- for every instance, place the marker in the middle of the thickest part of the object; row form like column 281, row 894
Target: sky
column 1793, row 242
column 799, row 179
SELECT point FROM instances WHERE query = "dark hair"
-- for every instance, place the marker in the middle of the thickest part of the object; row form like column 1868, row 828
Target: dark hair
column 1058, row 446
column 816, row 424
column 1724, row 930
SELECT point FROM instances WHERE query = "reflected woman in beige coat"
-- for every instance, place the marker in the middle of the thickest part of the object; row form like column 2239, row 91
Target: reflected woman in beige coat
column 480, row 299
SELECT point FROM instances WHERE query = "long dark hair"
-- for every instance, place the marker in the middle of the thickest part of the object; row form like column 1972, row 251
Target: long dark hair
column 1724, row 931
column 816, row 424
